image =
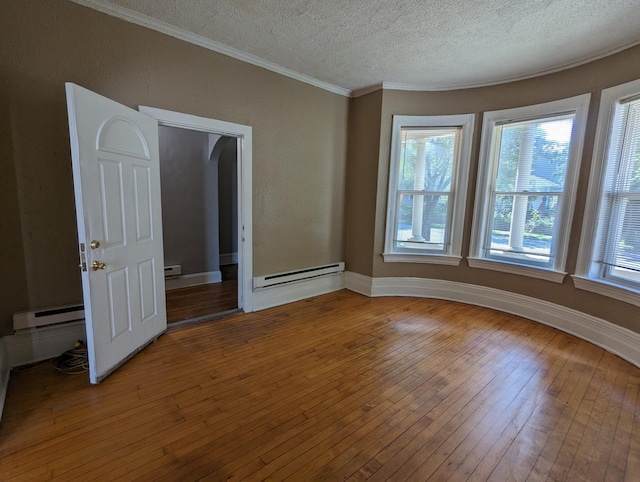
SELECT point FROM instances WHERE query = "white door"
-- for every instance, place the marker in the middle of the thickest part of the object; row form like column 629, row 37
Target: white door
column 116, row 177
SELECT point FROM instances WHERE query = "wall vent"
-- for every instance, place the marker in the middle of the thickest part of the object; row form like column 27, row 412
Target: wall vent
column 50, row 316
column 297, row 275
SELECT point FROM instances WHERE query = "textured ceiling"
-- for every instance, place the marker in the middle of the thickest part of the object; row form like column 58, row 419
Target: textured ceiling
column 429, row 44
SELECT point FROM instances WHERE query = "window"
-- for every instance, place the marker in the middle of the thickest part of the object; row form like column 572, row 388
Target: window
column 609, row 259
column 427, row 188
column 526, row 187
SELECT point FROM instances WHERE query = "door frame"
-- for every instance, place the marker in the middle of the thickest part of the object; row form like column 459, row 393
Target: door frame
column 243, row 135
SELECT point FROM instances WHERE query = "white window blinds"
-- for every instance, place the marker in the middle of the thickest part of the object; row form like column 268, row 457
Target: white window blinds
column 619, row 250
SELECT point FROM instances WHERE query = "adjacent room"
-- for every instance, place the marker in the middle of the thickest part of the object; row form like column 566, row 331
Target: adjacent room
column 363, row 240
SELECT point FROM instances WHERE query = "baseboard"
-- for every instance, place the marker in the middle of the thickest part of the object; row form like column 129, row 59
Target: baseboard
column 228, row 258
column 5, row 370
column 194, row 279
column 37, row 344
column 613, row 338
column 295, row 291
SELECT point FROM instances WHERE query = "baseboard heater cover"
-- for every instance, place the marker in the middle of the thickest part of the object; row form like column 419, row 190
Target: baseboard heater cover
column 297, row 275
column 50, row 316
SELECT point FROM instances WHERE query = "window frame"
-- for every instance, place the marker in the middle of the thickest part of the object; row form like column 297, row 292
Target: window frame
column 589, row 273
column 452, row 255
column 555, row 271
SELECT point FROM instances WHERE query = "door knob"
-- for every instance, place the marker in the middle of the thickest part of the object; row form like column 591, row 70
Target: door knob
column 96, row 265
column 95, row 244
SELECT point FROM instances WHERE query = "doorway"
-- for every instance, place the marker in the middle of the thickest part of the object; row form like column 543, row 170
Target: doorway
column 220, row 280
column 198, row 177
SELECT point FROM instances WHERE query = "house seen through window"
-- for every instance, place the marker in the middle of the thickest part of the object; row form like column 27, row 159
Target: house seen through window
column 526, row 187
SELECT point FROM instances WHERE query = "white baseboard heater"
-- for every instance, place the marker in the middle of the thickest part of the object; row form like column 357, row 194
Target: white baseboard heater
column 297, row 275
column 50, row 316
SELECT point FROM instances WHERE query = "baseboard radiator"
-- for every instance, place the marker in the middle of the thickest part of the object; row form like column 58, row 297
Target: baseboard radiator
column 50, row 316
column 297, row 275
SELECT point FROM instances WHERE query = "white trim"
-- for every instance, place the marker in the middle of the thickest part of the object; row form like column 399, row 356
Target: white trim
column 5, row 372
column 457, row 196
column 228, row 258
column 578, row 104
column 366, row 90
column 613, row 338
column 358, row 282
column 422, row 258
column 606, row 289
column 244, row 136
column 519, row 269
column 277, row 295
column 37, row 344
column 182, row 34
column 588, row 276
column 507, row 80
column 194, row 279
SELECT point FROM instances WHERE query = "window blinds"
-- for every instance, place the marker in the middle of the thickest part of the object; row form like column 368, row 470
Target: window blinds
column 620, row 218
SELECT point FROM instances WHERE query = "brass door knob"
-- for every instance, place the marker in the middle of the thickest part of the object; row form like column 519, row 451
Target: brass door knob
column 95, row 244
column 96, row 265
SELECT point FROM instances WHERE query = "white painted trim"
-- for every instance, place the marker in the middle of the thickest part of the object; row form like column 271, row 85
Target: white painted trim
column 359, row 283
column 474, row 85
column 613, row 338
column 579, row 105
column 37, row 344
column 519, row 269
column 5, row 372
column 589, row 272
column 182, row 34
column 603, row 288
column 193, row 279
column 422, row 258
column 282, row 294
column 228, row 258
column 366, row 90
column 459, row 183
column 244, row 136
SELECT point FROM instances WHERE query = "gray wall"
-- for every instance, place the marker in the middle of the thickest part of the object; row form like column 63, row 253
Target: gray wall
column 228, row 196
column 189, row 183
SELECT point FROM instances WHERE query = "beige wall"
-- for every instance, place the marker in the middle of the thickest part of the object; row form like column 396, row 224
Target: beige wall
column 299, row 141
column 592, row 77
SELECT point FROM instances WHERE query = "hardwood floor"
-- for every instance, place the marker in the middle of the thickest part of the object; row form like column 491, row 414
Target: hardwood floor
column 204, row 300
column 339, row 387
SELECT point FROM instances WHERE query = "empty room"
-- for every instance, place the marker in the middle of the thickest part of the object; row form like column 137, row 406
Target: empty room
column 365, row 240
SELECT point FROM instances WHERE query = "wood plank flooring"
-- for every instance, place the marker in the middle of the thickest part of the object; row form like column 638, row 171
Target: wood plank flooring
column 338, row 387
column 204, row 300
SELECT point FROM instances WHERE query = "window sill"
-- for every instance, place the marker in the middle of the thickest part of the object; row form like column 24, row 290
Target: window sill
column 422, row 258
column 628, row 295
column 531, row 271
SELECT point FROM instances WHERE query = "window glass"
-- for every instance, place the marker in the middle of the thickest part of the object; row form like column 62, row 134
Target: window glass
column 530, row 174
column 426, row 169
column 621, row 198
column 427, row 188
column 525, row 195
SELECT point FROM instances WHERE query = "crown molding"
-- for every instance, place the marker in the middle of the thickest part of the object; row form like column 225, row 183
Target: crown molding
column 367, row 90
column 181, row 34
